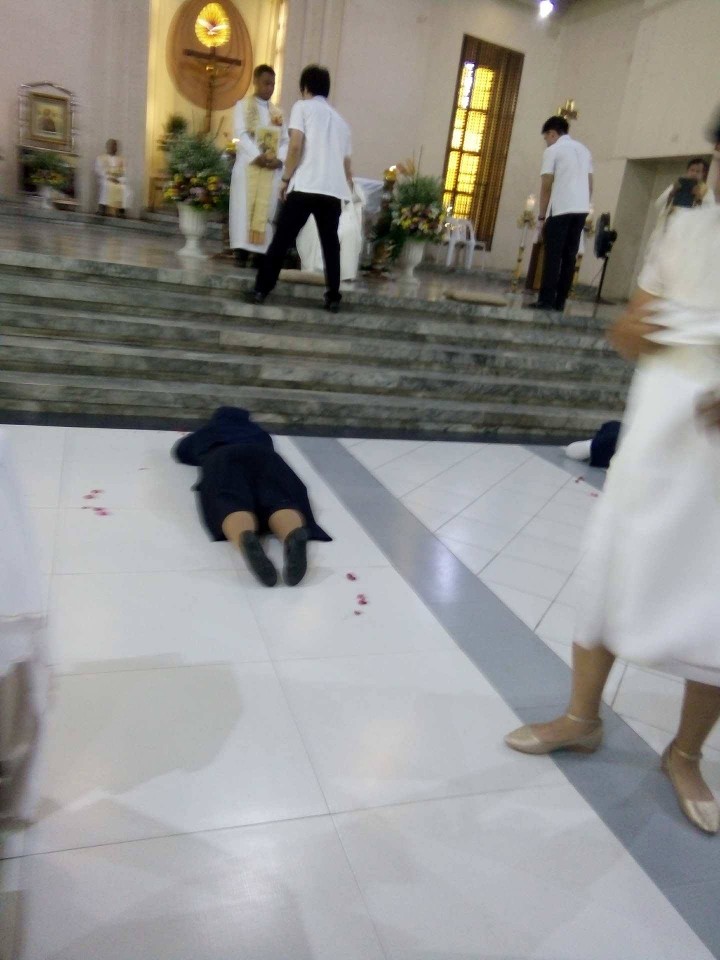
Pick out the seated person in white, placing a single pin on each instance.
(113, 192)
(350, 234)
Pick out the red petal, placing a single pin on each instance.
(351, 576)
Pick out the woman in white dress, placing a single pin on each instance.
(652, 562)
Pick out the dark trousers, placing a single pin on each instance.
(293, 217)
(562, 240)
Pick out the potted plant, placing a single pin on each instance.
(416, 216)
(199, 183)
(48, 172)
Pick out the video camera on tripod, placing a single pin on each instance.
(605, 238)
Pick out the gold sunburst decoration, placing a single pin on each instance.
(212, 27)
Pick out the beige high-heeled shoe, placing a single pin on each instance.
(525, 740)
(704, 814)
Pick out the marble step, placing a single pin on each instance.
(200, 287)
(66, 356)
(488, 332)
(299, 410)
(252, 338)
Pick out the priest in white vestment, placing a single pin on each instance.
(350, 234)
(261, 146)
(113, 192)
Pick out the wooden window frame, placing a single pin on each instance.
(507, 66)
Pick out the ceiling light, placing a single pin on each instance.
(546, 8)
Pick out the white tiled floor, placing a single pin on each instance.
(236, 772)
(520, 530)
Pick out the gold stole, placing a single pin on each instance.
(260, 181)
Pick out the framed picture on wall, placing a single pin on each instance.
(49, 119)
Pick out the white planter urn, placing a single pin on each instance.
(193, 225)
(410, 257)
(46, 197)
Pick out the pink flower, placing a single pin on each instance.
(89, 496)
(362, 599)
(351, 576)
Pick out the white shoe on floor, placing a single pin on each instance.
(580, 450)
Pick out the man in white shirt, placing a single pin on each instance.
(260, 147)
(565, 192)
(315, 181)
(697, 169)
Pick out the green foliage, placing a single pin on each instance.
(424, 191)
(175, 125)
(416, 212)
(198, 172)
(48, 168)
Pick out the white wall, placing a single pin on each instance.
(395, 83)
(97, 50)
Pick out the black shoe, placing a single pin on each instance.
(295, 566)
(332, 304)
(254, 297)
(260, 565)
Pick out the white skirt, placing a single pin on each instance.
(651, 565)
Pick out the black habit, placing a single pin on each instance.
(240, 470)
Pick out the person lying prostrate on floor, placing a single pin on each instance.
(246, 489)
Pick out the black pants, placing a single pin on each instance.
(562, 240)
(293, 217)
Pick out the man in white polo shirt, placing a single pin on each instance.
(565, 192)
(316, 179)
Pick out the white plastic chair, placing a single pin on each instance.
(461, 230)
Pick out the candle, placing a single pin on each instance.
(530, 204)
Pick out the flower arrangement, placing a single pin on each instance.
(413, 211)
(48, 169)
(197, 172)
(416, 210)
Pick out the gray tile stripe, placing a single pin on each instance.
(622, 783)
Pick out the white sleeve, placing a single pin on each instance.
(654, 275)
(284, 143)
(662, 200)
(297, 117)
(348, 141)
(245, 144)
(548, 162)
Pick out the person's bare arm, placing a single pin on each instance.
(628, 335)
(295, 148)
(348, 171)
(591, 184)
